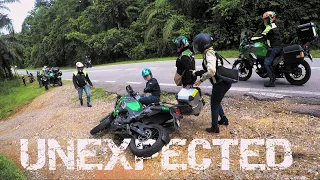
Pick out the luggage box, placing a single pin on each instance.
(307, 32)
(293, 54)
(190, 101)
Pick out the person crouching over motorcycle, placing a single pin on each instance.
(80, 80)
(273, 37)
(152, 87)
(204, 43)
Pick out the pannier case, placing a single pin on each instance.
(190, 101)
(293, 54)
(307, 32)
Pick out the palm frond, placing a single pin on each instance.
(150, 32)
(159, 3)
(8, 1)
(2, 7)
(151, 15)
(6, 23)
(147, 9)
(168, 27)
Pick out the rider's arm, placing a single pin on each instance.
(151, 86)
(263, 34)
(211, 65)
(88, 80)
(74, 79)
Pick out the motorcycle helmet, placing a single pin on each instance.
(202, 42)
(181, 43)
(79, 66)
(146, 72)
(269, 16)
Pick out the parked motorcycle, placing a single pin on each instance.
(31, 78)
(55, 76)
(289, 64)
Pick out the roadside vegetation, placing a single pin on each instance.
(9, 171)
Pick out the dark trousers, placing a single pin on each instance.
(149, 99)
(218, 92)
(272, 52)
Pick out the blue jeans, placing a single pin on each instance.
(272, 52)
(218, 92)
(149, 99)
(86, 89)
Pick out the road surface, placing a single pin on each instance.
(114, 78)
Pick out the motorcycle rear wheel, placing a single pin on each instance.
(301, 74)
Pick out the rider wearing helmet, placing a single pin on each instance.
(80, 80)
(152, 87)
(185, 63)
(273, 37)
(204, 43)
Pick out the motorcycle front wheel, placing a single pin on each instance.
(245, 71)
(300, 74)
(104, 124)
(149, 145)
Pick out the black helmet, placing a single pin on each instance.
(202, 42)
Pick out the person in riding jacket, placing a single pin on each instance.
(185, 63)
(204, 43)
(152, 88)
(273, 37)
(80, 80)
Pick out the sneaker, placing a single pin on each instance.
(213, 129)
(270, 83)
(224, 121)
(89, 105)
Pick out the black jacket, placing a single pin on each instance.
(152, 86)
(185, 63)
(80, 79)
(272, 34)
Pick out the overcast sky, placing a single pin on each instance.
(18, 12)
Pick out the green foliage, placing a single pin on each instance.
(8, 170)
(14, 94)
(62, 32)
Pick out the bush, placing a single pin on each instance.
(8, 170)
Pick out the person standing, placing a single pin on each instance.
(204, 43)
(80, 82)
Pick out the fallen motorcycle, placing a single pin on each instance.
(289, 64)
(146, 124)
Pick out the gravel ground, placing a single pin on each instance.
(57, 115)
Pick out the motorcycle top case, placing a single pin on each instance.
(307, 32)
(293, 54)
(190, 97)
(55, 69)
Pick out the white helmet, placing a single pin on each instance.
(79, 65)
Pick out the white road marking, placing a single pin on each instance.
(165, 84)
(110, 81)
(68, 79)
(95, 80)
(134, 82)
(106, 70)
(130, 69)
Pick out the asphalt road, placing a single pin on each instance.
(114, 78)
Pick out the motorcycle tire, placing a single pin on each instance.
(154, 148)
(305, 79)
(104, 124)
(60, 83)
(247, 76)
(46, 86)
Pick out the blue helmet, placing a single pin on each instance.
(146, 72)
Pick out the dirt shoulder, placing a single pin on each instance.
(57, 115)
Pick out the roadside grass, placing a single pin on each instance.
(315, 53)
(8, 170)
(14, 94)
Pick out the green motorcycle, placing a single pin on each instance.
(289, 64)
(144, 124)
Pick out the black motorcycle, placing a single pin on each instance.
(55, 76)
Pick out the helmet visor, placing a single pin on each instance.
(195, 48)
